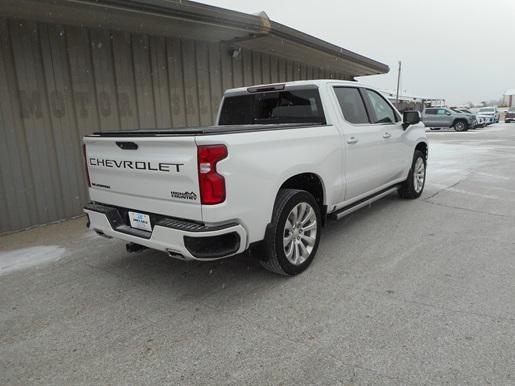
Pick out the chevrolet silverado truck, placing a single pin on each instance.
(281, 159)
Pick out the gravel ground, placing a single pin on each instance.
(402, 292)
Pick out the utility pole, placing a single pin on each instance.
(398, 82)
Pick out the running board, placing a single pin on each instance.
(339, 214)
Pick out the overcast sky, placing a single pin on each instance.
(454, 49)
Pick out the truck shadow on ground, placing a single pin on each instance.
(155, 269)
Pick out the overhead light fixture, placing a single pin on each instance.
(235, 52)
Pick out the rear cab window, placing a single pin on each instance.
(351, 104)
(273, 107)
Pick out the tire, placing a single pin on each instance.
(411, 189)
(460, 125)
(277, 260)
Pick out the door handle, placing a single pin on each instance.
(386, 135)
(352, 140)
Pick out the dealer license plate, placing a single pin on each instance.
(140, 221)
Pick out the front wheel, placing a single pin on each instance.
(292, 237)
(414, 185)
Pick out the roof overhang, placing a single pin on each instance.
(191, 20)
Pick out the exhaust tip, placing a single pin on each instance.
(175, 255)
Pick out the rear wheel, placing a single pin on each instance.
(414, 184)
(292, 238)
(460, 126)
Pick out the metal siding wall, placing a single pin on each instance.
(215, 78)
(203, 84)
(160, 82)
(59, 83)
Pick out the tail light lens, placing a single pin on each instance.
(86, 163)
(212, 184)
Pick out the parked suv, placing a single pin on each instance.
(438, 117)
(510, 115)
(490, 114)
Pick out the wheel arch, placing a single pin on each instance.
(422, 146)
(310, 182)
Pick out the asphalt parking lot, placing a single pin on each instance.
(402, 292)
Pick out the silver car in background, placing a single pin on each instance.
(443, 117)
(480, 121)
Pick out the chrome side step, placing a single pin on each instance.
(339, 214)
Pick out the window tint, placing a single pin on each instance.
(352, 105)
(430, 111)
(294, 106)
(383, 111)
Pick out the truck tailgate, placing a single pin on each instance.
(147, 174)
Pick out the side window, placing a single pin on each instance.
(383, 111)
(431, 112)
(352, 105)
(442, 111)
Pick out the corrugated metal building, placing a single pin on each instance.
(71, 67)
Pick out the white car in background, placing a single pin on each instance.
(489, 115)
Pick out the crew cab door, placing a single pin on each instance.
(362, 143)
(429, 117)
(395, 155)
(443, 118)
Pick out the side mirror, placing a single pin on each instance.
(410, 118)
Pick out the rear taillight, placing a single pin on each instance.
(212, 184)
(86, 164)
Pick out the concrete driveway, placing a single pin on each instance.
(403, 292)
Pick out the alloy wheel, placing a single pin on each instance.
(300, 233)
(419, 175)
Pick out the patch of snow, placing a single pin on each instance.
(28, 257)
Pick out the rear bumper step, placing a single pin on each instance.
(179, 238)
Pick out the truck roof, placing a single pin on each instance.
(292, 85)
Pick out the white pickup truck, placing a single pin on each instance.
(281, 159)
